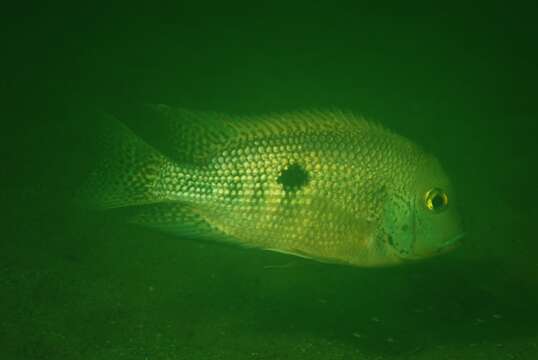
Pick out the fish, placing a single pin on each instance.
(326, 185)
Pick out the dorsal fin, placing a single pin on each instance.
(193, 136)
(182, 135)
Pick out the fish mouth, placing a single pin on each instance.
(445, 247)
(451, 243)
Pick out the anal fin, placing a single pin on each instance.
(178, 219)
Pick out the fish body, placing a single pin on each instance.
(323, 185)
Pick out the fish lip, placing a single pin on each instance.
(445, 247)
(450, 244)
(453, 241)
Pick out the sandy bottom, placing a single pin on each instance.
(77, 287)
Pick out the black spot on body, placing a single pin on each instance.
(293, 177)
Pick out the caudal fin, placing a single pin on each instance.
(127, 169)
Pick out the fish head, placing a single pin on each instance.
(421, 219)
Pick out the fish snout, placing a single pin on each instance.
(451, 244)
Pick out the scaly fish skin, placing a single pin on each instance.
(322, 185)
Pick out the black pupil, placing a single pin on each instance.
(438, 201)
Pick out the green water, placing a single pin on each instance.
(458, 79)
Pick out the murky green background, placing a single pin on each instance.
(459, 79)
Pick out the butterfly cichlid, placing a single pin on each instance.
(328, 186)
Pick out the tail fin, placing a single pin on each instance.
(127, 170)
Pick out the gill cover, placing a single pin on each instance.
(399, 224)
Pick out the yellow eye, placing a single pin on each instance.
(436, 200)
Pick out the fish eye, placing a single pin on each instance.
(436, 200)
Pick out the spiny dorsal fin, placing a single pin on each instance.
(310, 121)
(192, 137)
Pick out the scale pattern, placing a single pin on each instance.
(334, 214)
